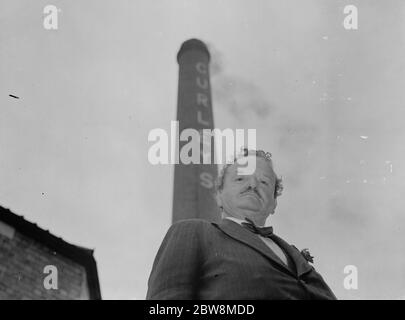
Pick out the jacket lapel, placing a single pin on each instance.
(301, 263)
(243, 235)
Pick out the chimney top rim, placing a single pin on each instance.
(193, 44)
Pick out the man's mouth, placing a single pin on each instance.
(251, 194)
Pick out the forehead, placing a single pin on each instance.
(263, 167)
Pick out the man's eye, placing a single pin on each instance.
(265, 182)
(239, 179)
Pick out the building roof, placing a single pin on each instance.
(81, 255)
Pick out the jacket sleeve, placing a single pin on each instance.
(175, 271)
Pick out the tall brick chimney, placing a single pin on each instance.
(193, 183)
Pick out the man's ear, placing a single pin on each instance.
(275, 206)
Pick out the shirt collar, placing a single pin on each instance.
(239, 221)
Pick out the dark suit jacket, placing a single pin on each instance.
(204, 260)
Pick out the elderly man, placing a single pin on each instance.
(237, 258)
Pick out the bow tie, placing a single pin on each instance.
(263, 231)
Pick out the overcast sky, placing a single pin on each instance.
(325, 101)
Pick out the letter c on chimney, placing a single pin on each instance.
(201, 67)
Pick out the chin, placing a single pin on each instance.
(257, 216)
(258, 220)
(252, 214)
(251, 209)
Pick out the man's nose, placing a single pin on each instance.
(253, 182)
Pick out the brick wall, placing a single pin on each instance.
(22, 262)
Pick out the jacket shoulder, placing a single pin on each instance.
(192, 223)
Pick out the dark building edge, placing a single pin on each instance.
(82, 256)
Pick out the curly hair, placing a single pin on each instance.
(219, 183)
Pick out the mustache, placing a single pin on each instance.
(250, 190)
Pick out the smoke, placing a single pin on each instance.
(240, 97)
(216, 62)
(291, 132)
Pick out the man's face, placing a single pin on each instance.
(249, 196)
